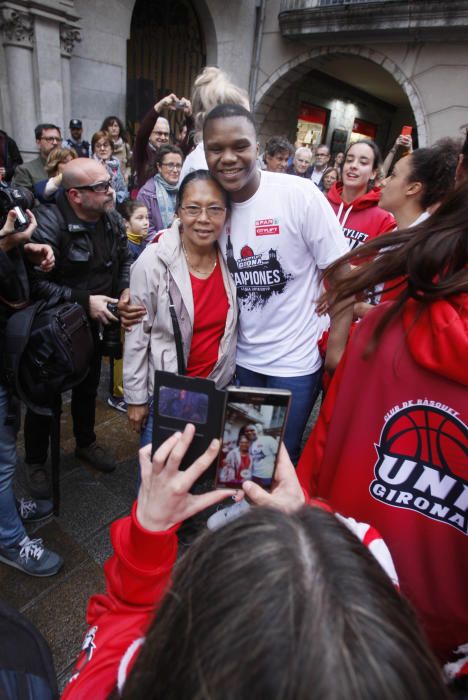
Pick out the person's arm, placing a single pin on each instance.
(144, 132)
(23, 178)
(143, 293)
(404, 142)
(341, 317)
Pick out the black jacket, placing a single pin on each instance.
(72, 243)
(14, 286)
(10, 156)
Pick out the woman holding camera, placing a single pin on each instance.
(183, 270)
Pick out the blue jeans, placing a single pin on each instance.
(304, 392)
(11, 527)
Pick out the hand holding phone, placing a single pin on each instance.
(286, 493)
(164, 498)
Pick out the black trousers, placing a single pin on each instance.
(83, 409)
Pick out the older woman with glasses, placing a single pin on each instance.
(184, 266)
(101, 145)
(159, 193)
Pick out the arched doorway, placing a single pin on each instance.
(165, 52)
(354, 88)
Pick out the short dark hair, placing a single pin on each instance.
(164, 150)
(283, 606)
(225, 111)
(373, 146)
(196, 176)
(43, 127)
(128, 208)
(278, 144)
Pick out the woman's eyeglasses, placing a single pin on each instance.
(213, 212)
(172, 166)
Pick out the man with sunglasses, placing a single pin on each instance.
(27, 175)
(92, 265)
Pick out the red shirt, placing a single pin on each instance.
(211, 306)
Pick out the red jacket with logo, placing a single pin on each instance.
(362, 219)
(390, 447)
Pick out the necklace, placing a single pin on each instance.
(201, 272)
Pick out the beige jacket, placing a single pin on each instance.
(150, 345)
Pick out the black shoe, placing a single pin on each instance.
(31, 510)
(38, 480)
(97, 457)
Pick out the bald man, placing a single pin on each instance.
(92, 265)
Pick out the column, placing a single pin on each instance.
(18, 41)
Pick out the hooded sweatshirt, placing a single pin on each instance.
(390, 447)
(362, 219)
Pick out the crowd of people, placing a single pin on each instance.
(346, 577)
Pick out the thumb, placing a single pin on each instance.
(255, 493)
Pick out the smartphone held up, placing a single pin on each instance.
(249, 421)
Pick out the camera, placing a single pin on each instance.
(17, 198)
(111, 336)
(180, 105)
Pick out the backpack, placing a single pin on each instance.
(47, 351)
(26, 666)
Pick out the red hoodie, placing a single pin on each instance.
(362, 219)
(391, 447)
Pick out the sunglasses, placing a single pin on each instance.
(103, 186)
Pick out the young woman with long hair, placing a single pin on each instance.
(284, 602)
(355, 199)
(391, 443)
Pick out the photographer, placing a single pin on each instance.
(16, 548)
(284, 602)
(92, 268)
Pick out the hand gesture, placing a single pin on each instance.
(137, 415)
(164, 498)
(168, 102)
(286, 495)
(41, 255)
(130, 314)
(98, 308)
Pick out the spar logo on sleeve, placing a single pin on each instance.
(267, 227)
(422, 462)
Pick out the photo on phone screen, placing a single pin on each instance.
(191, 406)
(253, 430)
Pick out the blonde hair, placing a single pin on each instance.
(55, 157)
(212, 87)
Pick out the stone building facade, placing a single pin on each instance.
(380, 62)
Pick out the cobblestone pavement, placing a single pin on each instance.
(90, 502)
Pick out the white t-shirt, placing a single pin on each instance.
(275, 245)
(263, 452)
(195, 161)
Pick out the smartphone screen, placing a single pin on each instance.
(253, 430)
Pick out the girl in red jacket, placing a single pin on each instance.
(391, 443)
(355, 200)
(274, 605)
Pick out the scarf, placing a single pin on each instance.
(166, 196)
(136, 238)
